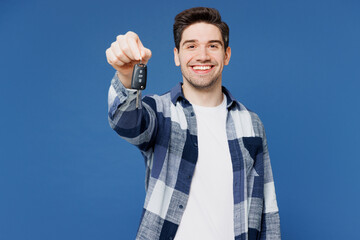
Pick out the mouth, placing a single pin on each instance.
(202, 69)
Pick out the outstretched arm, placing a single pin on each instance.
(137, 125)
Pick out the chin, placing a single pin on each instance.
(201, 85)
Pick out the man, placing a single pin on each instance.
(208, 173)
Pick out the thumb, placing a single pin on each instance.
(145, 54)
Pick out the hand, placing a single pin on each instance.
(124, 53)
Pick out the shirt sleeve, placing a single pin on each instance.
(137, 125)
(270, 223)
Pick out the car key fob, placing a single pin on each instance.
(138, 80)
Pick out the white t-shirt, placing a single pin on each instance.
(210, 208)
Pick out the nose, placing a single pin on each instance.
(203, 54)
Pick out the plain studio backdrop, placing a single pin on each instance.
(65, 174)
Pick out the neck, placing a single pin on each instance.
(207, 97)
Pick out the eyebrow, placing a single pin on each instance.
(216, 41)
(211, 41)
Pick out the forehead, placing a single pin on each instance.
(202, 32)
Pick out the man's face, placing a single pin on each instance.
(201, 55)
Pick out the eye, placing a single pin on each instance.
(214, 46)
(191, 46)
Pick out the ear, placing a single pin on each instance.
(176, 57)
(227, 56)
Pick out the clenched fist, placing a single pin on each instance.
(124, 53)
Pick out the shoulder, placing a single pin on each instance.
(165, 101)
(256, 122)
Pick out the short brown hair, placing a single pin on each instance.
(199, 14)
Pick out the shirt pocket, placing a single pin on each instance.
(253, 156)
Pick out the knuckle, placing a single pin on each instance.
(119, 37)
(117, 58)
(114, 60)
(131, 34)
(125, 48)
(107, 53)
(113, 45)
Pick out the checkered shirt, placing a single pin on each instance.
(164, 129)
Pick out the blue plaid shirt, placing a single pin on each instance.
(164, 129)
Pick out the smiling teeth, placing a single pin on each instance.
(201, 67)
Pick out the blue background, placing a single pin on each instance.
(64, 174)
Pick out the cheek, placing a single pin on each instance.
(186, 58)
(221, 59)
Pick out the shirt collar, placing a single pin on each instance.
(177, 94)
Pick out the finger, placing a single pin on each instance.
(112, 59)
(115, 48)
(134, 48)
(124, 46)
(147, 55)
(145, 52)
(116, 60)
(142, 49)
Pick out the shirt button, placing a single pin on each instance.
(192, 114)
(181, 206)
(171, 238)
(195, 144)
(189, 177)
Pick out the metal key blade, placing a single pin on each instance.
(137, 98)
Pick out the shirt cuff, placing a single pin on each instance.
(119, 95)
